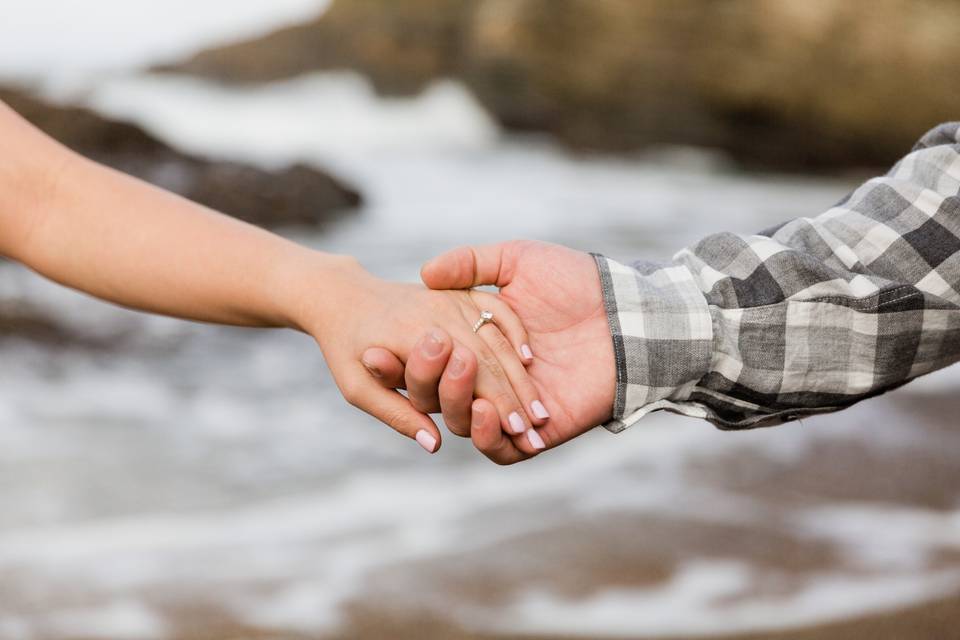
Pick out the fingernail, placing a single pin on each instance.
(427, 441)
(432, 345)
(374, 371)
(535, 440)
(526, 352)
(516, 423)
(539, 410)
(476, 413)
(457, 366)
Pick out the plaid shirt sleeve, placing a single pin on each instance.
(809, 317)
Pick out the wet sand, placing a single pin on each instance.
(579, 556)
(935, 620)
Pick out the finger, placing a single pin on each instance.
(391, 408)
(470, 266)
(384, 366)
(515, 377)
(456, 390)
(489, 438)
(494, 384)
(424, 368)
(507, 321)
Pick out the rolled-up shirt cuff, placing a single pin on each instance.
(662, 338)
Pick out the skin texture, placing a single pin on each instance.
(556, 293)
(393, 316)
(112, 236)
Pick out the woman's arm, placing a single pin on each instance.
(108, 234)
(120, 239)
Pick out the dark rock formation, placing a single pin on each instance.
(400, 45)
(295, 195)
(21, 321)
(16, 322)
(782, 83)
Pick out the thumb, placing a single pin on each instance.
(471, 266)
(386, 367)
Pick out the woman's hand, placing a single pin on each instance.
(364, 311)
(557, 293)
(117, 238)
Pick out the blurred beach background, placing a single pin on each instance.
(167, 480)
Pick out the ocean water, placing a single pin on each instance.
(44, 38)
(197, 477)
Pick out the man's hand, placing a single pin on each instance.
(556, 293)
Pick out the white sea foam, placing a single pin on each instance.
(707, 598)
(119, 619)
(887, 537)
(305, 607)
(335, 113)
(55, 37)
(436, 162)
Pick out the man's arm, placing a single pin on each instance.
(805, 318)
(743, 331)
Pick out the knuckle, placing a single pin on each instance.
(499, 343)
(422, 379)
(457, 428)
(455, 407)
(462, 263)
(492, 366)
(447, 396)
(438, 305)
(424, 405)
(496, 458)
(397, 420)
(466, 259)
(413, 377)
(420, 391)
(454, 390)
(505, 400)
(481, 298)
(352, 393)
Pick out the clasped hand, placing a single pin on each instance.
(539, 375)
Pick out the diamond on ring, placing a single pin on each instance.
(485, 317)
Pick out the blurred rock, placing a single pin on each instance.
(19, 321)
(400, 45)
(937, 619)
(294, 195)
(795, 85)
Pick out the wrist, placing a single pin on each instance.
(316, 287)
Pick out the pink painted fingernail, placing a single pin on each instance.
(535, 440)
(526, 351)
(427, 441)
(516, 423)
(432, 345)
(539, 410)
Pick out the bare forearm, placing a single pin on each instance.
(117, 238)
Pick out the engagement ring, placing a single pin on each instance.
(485, 317)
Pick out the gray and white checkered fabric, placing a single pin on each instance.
(809, 317)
